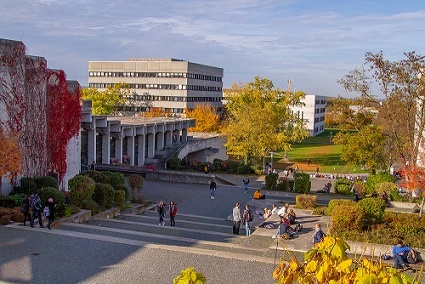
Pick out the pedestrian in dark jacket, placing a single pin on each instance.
(173, 212)
(25, 209)
(36, 208)
(52, 208)
(160, 208)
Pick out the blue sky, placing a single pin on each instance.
(314, 43)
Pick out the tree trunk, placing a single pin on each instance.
(422, 207)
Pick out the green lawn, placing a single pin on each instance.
(321, 153)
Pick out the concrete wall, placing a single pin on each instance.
(204, 150)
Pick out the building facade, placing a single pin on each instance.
(313, 113)
(172, 85)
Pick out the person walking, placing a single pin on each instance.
(213, 187)
(247, 217)
(36, 207)
(236, 219)
(160, 208)
(245, 184)
(173, 212)
(25, 209)
(51, 215)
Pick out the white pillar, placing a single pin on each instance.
(91, 146)
(151, 145)
(130, 149)
(106, 148)
(141, 149)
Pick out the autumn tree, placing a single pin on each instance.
(108, 101)
(207, 120)
(10, 153)
(259, 119)
(399, 104)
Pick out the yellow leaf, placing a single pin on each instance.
(369, 279)
(320, 275)
(311, 266)
(345, 265)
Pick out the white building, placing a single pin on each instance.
(169, 84)
(313, 113)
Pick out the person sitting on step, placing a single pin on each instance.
(258, 195)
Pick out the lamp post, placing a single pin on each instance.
(271, 161)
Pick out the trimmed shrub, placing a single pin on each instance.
(10, 214)
(283, 185)
(11, 201)
(174, 163)
(334, 202)
(374, 180)
(232, 166)
(92, 206)
(341, 184)
(271, 181)
(81, 189)
(116, 179)
(385, 186)
(120, 198)
(97, 176)
(320, 210)
(244, 169)
(302, 183)
(58, 198)
(346, 217)
(359, 187)
(46, 181)
(395, 195)
(305, 201)
(28, 186)
(373, 209)
(104, 194)
(70, 209)
(136, 183)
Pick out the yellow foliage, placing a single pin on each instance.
(10, 153)
(206, 117)
(327, 263)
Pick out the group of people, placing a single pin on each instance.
(32, 208)
(162, 209)
(244, 218)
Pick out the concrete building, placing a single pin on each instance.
(313, 113)
(128, 140)
(172, 85)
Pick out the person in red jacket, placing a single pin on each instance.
(173, 211)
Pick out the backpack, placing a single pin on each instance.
(250, 216)
(36, 203)
(46, 211)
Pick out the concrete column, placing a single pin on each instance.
(130, 149)
(184, 135)
(91, 146)
(168, 138)
(160, 140)
(141, 149)
(106, 147)
(118, 149)
(151, 145)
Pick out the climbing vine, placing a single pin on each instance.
(63, 118)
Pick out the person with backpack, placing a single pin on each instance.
(160, 208)
(213, 187)
(173, 212)
(245, 184)
(36, 208)
(318, 234)
(236, 218)
(50, 212)
(247, 218)
(25, 209)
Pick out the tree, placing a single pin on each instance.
(259, 119)
(414, 180)
(108, 101)
(10, 153)
(206, 117)
(401, 114)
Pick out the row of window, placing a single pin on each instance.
(164, 110)
(319, 110)
(156, 75)
(319, 119)
(320, 102)
(160, 87)
(139, 98)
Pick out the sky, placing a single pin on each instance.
(313, 43)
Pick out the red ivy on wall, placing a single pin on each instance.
(63, 118)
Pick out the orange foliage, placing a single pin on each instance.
(158, 112)
(10, 153)
(414, 178)
(206, 117)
